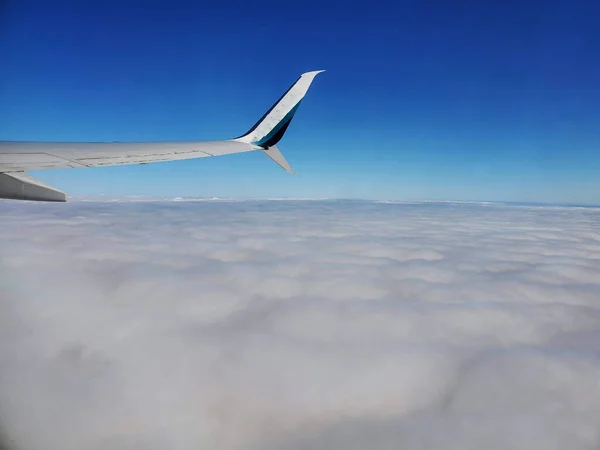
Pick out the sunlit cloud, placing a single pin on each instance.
(304, 324)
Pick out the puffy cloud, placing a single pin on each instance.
(291, 325)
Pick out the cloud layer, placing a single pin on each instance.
(293, 325)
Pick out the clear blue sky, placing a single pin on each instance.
(437, 99)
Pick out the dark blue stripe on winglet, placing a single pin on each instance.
(270, 109)
(276, 133)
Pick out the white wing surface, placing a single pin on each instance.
(18, 157)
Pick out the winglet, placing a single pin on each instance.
(271, 127)
(275, 155)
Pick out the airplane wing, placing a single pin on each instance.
(18, 157)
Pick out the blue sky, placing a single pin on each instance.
(462, 100)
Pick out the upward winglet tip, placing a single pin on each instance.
(314, 73)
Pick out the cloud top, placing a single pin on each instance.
(299, 324)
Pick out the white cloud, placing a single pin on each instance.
(304, 324)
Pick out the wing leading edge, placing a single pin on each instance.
(18, 157)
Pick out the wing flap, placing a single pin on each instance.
(139, 159)
(22, 186)
(17, 162)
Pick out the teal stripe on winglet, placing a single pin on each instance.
(277, 127)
